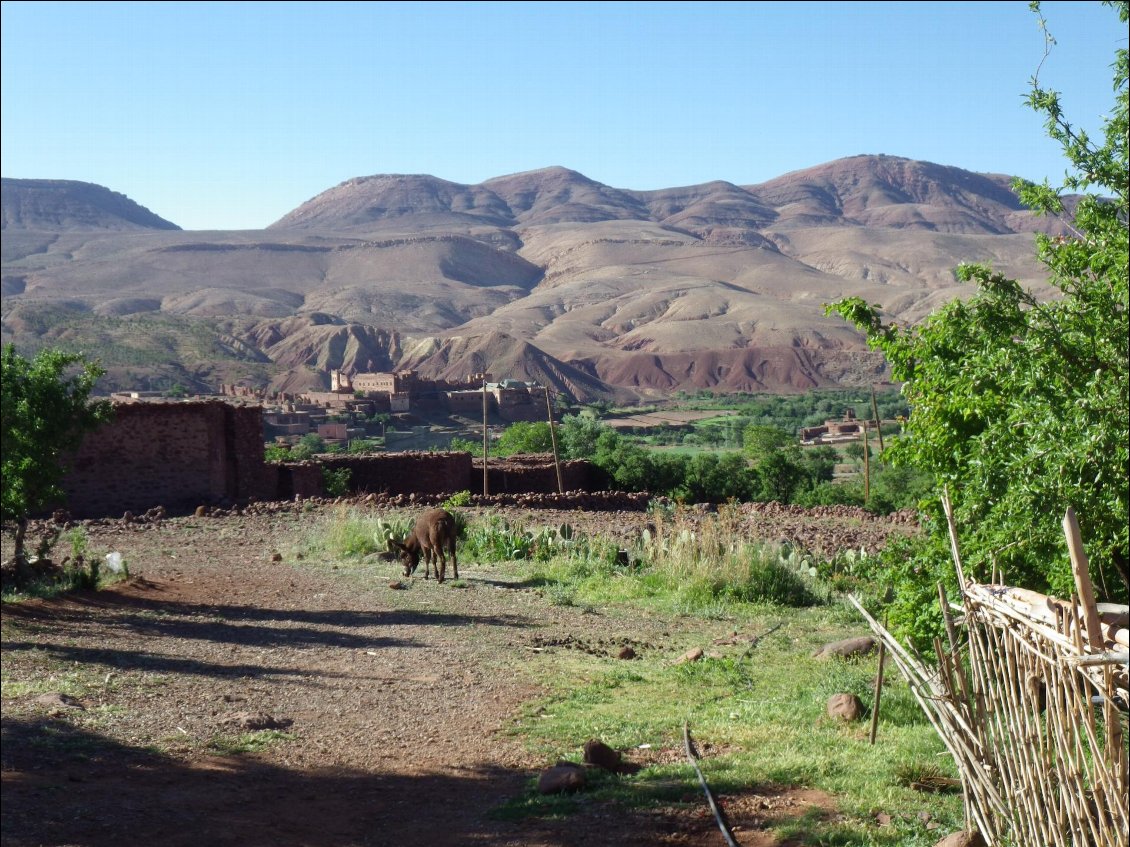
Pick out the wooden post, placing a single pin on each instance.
(553, 438)
(1081, 568)
(878, 423)
(878, 689)
(866, 466)
(486, 490)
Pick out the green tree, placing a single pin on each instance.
(762, 440)
(1020, 404)
(717, 478)
(525, 437)
(308, 445)
(475, 448)
(336, 482)
(277, 453)
(781, 475)
(819, 464)
(578, 436)
(46, 412)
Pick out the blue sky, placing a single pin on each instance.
(229, 115)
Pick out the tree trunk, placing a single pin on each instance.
(19, 555)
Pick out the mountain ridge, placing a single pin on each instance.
(543, 274)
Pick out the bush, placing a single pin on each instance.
(336, 482)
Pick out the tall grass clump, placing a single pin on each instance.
(705, 560)
(684, 563)
(80, 569)
(350, 533)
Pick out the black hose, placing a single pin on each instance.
(719, 815)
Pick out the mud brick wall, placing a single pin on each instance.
(176, 455)
(533, 475)
(210, 453)
(297, 479)
(252, 479)
(405, 473)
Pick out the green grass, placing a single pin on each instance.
(684, 569)
(68, 565)
(350, 533)
(765, 712)
(73, 681)
(62, 581)
(248, 742)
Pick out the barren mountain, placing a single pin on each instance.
(57, 205)
(545, 275)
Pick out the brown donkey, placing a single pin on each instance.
(433, 538)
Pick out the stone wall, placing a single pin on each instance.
(297, 479)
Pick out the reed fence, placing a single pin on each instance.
(1029, 695)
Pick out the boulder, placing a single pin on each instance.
(56, 703)
(962, 839)
(847, 649)
(846, 707)
(600, 755)
(255, 721)
(562, 778)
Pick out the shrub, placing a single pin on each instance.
(336, 482)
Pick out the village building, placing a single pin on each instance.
(848, 428)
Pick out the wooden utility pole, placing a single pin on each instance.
(486, 488)
(866, 465)
(553, 439)
(878, 423)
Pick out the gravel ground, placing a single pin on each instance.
(389, 705)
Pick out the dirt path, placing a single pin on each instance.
(393, 703)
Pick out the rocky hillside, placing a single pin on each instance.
(545, 275)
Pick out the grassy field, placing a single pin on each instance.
(763, 704)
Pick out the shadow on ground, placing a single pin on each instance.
(64, 785)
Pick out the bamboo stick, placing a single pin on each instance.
(486, 446)
(956, 553)
(866, 466)
(878, 422)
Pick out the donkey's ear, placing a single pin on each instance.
(393, 544)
